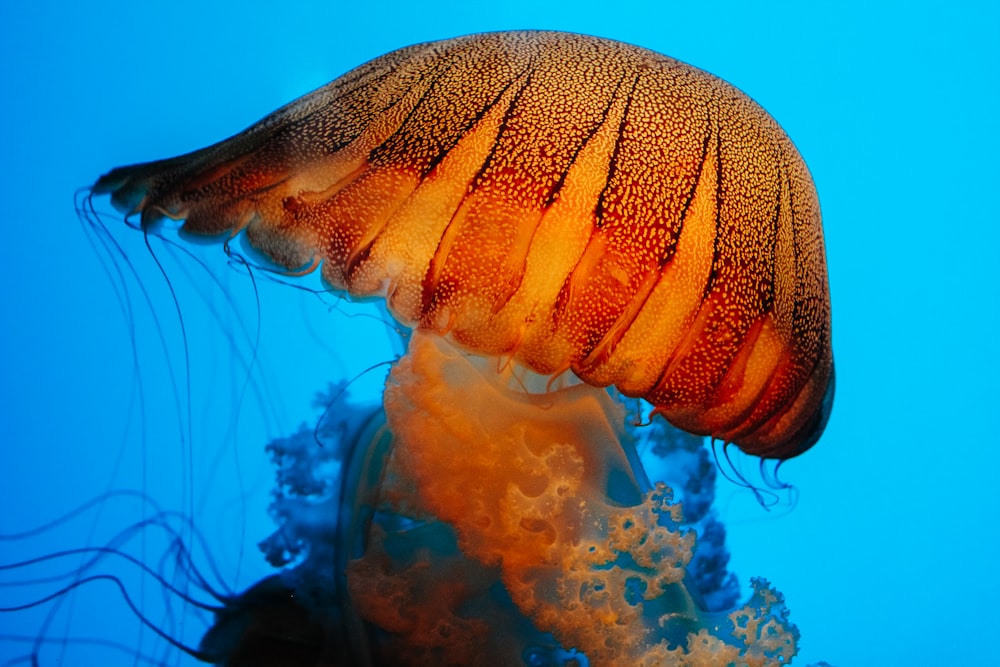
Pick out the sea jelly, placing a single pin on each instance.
(552, 215)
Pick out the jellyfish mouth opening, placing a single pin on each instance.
(475, 522)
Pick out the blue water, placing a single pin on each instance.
(887, 558)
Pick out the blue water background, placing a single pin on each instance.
(889, 556)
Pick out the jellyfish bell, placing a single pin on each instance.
(566, 201)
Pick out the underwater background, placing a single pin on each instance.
(886, 551)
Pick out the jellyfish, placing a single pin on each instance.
(562, 223)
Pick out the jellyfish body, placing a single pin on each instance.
(569, 202)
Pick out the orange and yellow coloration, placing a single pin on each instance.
(571, 202)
